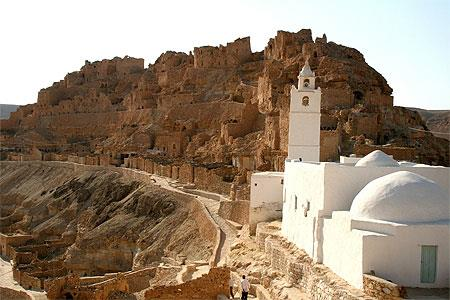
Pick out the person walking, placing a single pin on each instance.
(245, 288)
(231, 288)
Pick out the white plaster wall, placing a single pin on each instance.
(305, 129)
(266, 187)
(349, 160)
(307, 183)
(342, 183)
(397, 257)
(343, 248)
(297, 96)
(307, 154)
(266, 197)
(304, 125)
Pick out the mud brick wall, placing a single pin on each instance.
(209, 286)
(382, 289)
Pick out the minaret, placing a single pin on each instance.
(304, 118)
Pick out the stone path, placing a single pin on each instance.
(229, 231)
(212, 205)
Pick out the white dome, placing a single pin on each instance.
(402, 197)
(377, 158)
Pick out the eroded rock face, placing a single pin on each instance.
(109, 223)
(218, 103)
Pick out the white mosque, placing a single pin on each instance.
(361, 215)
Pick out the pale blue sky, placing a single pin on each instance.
(407, 41)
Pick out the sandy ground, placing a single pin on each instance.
(6, 280)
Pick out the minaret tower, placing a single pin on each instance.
(304, 118)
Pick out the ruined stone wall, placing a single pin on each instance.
(209, 286)
(236, 211)
(382, 289)
(173, 144)
(213, 179)
(7, 241)
(329, 145)
(30, 282)
(186, 173)
(315, 279)
(286, 44)
(399, 153)
(232, 54)
(23, 257)
(7, 293)
(364, 124)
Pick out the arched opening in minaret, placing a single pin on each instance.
(358, 97)
(306, 82)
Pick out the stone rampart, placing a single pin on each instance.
(209, 286)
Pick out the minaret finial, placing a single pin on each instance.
(306, 70)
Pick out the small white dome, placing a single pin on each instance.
(306, 70)
(402, 197)
(377, 158)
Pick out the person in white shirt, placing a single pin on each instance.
(245, 288)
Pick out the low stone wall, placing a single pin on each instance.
(99, 287)
(208, 229)
(380, 288)
(139, 280)
(30, 282)
(10, 294)
(315, 279)
(209, 286)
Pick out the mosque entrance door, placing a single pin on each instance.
(428, 264)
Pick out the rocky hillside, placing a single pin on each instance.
(437, 121)
(114, 223)
(220, 104)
